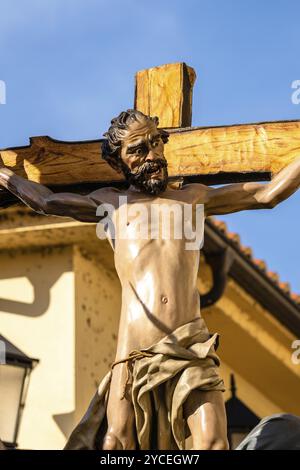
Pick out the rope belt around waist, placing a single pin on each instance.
(133, 356)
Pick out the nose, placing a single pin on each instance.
(151, 157)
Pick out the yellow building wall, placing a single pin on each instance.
(97, 309)
(37, 315)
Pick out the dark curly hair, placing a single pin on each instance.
(111, 145)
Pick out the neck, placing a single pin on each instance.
(171, 186)
(134, 189)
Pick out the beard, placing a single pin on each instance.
(141, 178)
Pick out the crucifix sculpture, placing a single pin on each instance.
(164, 383)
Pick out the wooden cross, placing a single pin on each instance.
(211, 155)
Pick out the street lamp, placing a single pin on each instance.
(240, 419)
(15, 370)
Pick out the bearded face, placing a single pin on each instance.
(142, 154)
(150, 177)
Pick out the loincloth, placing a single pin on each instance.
(162, 377)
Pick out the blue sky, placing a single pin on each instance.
(69, 67)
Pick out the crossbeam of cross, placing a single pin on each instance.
(210, 155)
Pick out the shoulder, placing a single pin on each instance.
(197, 192)
(108, 195)
(195, 187)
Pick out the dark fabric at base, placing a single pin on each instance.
(276, 432)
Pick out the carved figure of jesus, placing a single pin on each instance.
(164, 384)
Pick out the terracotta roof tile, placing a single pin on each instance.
(234, 237)
(259, 263)
(274, 276)
(247, 250)
(285, 286)
(295, 297)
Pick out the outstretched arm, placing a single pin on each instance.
(244, 196)
(44, 201)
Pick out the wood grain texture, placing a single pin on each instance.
(260, 147)
(166, 92)
(54, 162)
(241, 149)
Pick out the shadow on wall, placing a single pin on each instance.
(65, 422)
(41, 268)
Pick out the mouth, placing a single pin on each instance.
(154, 171)
(150, 176)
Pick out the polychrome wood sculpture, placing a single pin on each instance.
(164, 383)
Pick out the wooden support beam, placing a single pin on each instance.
(245, 149)
(166, 92)
(215, 154)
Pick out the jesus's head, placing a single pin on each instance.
(135, 147)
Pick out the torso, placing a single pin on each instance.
(157, 273)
